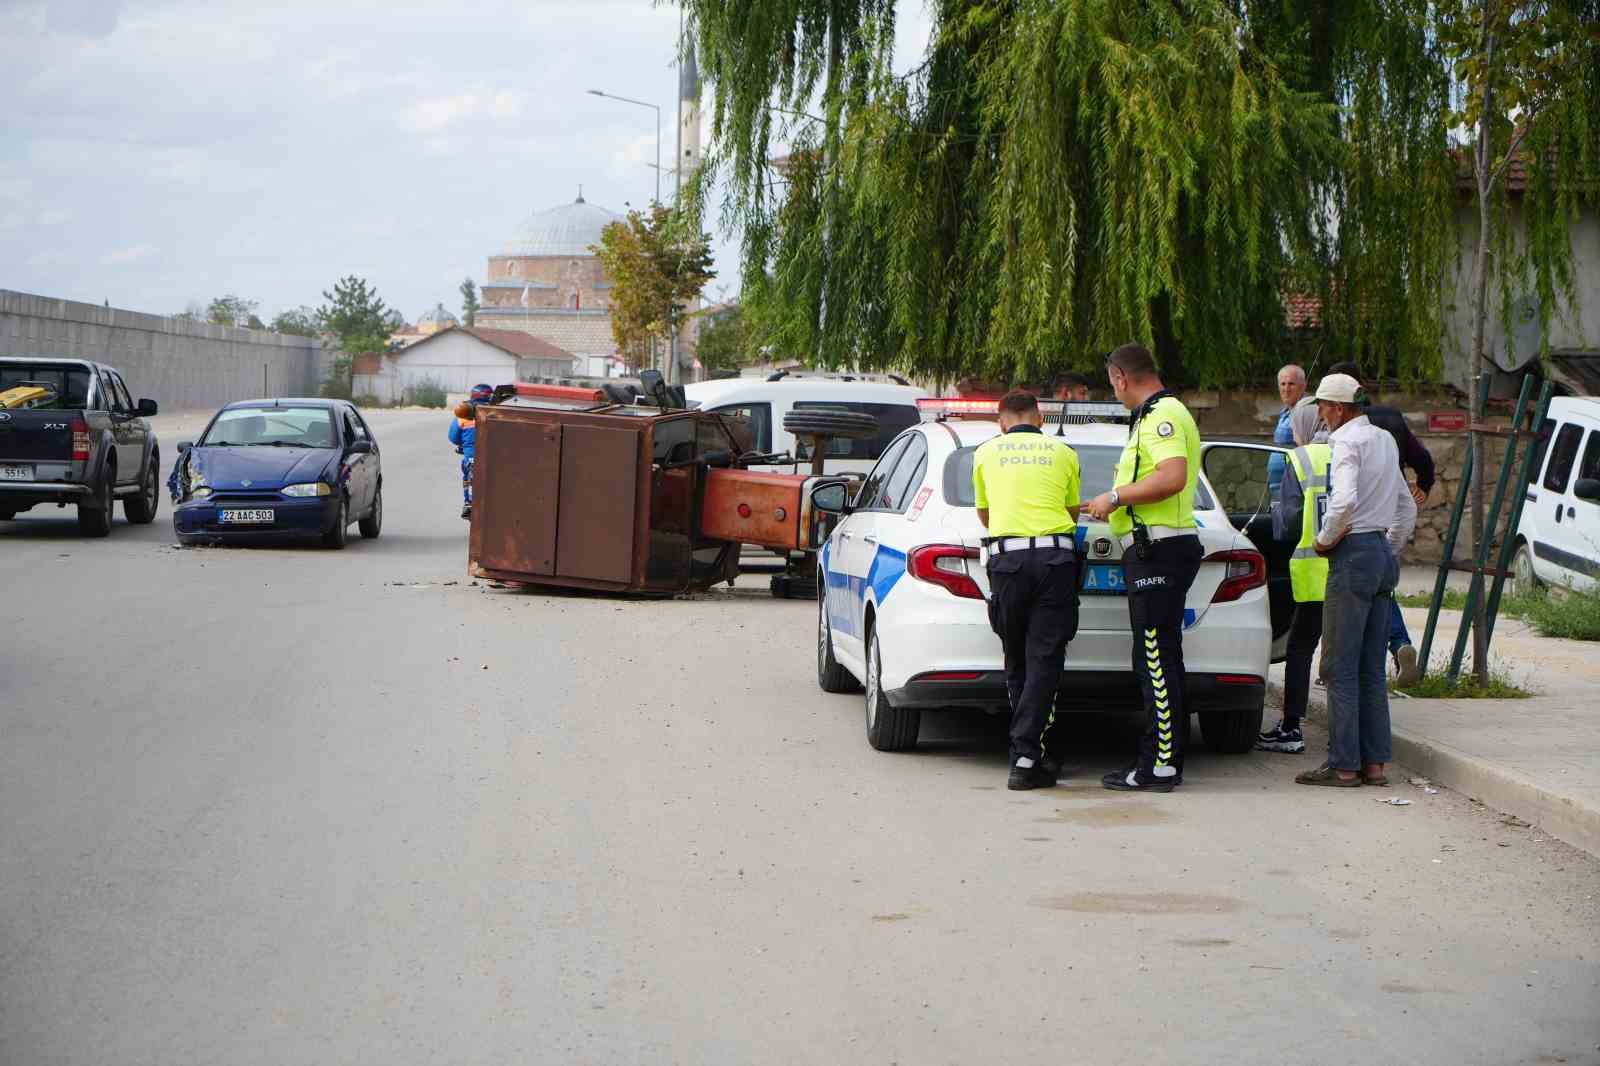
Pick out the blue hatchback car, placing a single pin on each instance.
(274, 470)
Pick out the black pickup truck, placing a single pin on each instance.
(69, 434)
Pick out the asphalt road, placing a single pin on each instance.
(304, 806)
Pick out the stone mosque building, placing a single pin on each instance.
(547, 283)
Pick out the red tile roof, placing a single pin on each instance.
(511, 341)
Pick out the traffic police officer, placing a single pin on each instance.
(1025, 485)
(1151, 512)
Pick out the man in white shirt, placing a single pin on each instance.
(1370, 516)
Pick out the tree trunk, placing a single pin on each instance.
(1480, 361)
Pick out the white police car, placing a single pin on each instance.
(902, 601)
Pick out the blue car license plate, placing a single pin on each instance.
(246, 518)
(1105, 579)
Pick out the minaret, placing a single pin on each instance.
(688, 110)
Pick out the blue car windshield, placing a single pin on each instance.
(293, 427)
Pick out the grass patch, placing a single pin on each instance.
(1438, 687)
(1572, 615)
(1454, 599)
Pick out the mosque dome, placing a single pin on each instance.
(566, 230)
(438, 318)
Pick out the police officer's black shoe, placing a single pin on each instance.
(1035, 776)
(1137, 779)
(466, 510)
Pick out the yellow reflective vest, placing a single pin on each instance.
(1308, 571)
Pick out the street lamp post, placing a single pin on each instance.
(657, 110)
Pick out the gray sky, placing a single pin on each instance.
(157, 152)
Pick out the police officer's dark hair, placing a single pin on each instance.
(1134, 360)
(1018, 402)
(1069, 379)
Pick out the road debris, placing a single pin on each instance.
(1395, 801)
(1514, 822)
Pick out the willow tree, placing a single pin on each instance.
(1061, 175)
(1057, 177)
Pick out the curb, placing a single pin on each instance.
(1494, 786)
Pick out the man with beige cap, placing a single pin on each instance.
(1370, 514)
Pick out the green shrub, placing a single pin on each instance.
(1437, 686)
(1572, 615)
(428, 392)
(367, 399)
(337, 385)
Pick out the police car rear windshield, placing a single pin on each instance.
(1097, 466)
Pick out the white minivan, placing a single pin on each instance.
(1558, 538)
(764, 401)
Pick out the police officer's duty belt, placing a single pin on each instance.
(1001, 545)
(1158, 533)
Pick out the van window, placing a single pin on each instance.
(1562, 455)
(892, 418)
(1590, 467)
(760, 416)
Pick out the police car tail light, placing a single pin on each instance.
(1246, 570)
(945, 565)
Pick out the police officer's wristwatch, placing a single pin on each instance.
(1116, 501)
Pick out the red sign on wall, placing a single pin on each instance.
(1447, 421)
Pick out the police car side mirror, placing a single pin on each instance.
(831, 499)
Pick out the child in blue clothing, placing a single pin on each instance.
(464, 435)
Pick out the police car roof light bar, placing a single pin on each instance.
(1056, 412)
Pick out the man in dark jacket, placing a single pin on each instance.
(1415, 456)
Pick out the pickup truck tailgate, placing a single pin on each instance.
(35, 436)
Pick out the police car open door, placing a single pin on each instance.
(1245, 478)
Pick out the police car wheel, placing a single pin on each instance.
(888, 728)
(1231, 732)
(831, 677)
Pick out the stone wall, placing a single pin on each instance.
(1251, 414)
(182, 365)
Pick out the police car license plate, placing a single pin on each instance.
(1105, 579)
(242, 518)
(16, 473)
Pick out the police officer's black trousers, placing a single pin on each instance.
(1157, 587)
(1033, 606)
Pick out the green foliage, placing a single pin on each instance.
(233, 310)
(658, 265)
(298, 321)
(725, 342)
(426, 392)
(1059, 176)
(367, 399)
(1437, 686)
(356, 315)
(469, 303)
(1571, 615)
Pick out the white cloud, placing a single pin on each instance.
(57, 217)
(123, 256)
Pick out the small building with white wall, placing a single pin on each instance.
(457, 359)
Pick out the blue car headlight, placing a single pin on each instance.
(314, 488)
(199, 492)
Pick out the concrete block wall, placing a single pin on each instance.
(182, 365)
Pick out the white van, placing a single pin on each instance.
(1558, 538)
(764, 401)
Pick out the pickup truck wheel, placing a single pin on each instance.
(94, 519)
(140, 510)
(831, 677)
(1231, 732)
(372, 525)
(335, 537)
(888, 728)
